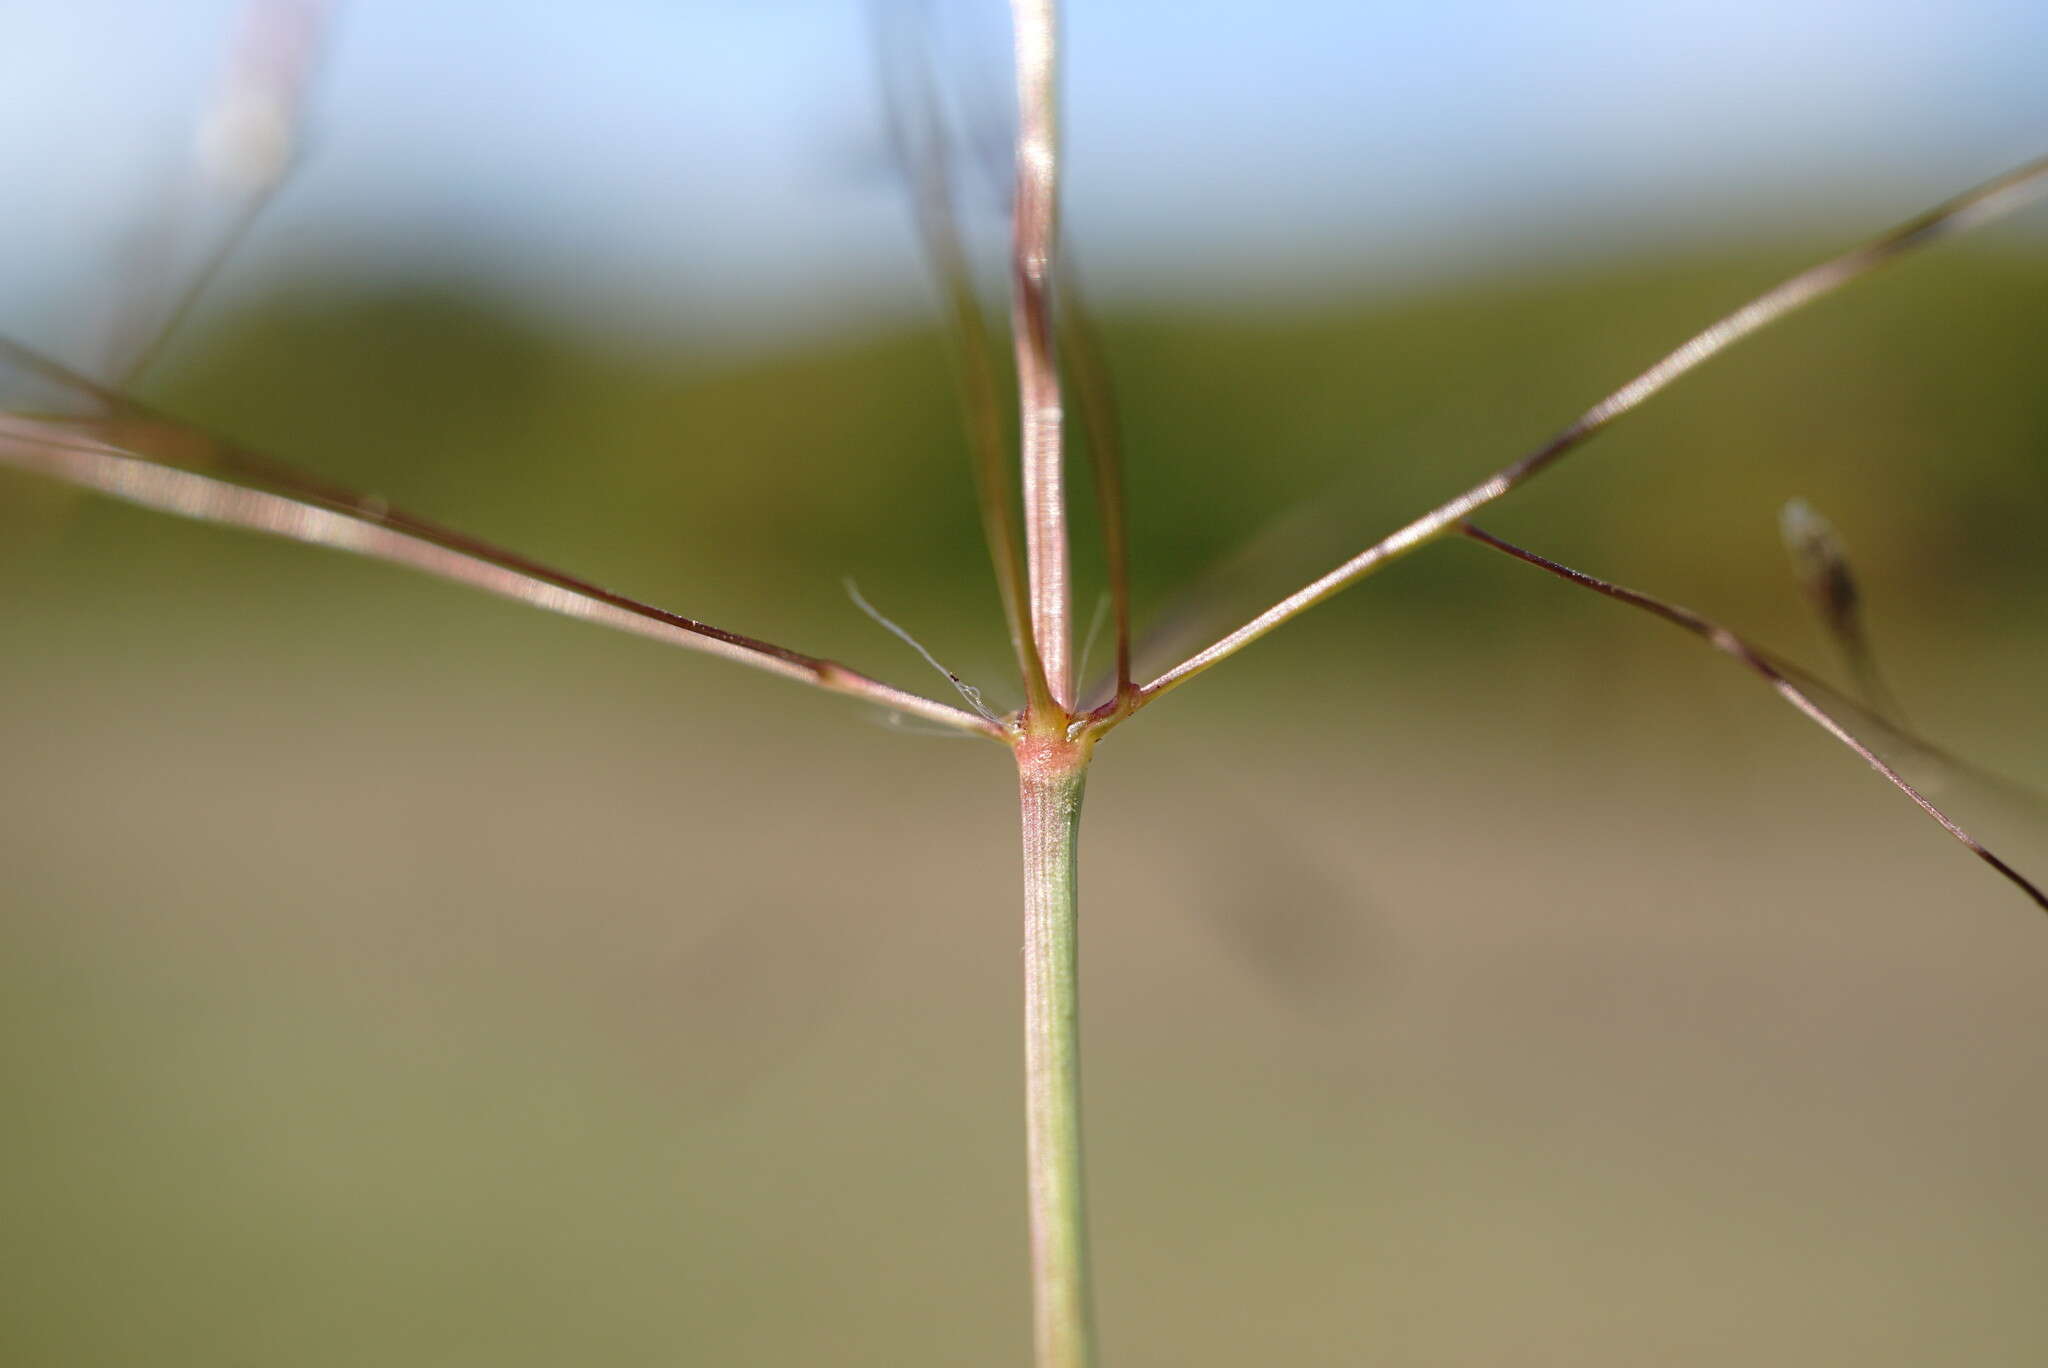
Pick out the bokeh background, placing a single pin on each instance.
(1477, 972)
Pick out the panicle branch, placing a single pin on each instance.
(1779, 677)
(1965, 211)
(1035, 225)
(134, 454)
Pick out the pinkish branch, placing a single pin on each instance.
(1033, 244)
(1957, 215)
(144, 459)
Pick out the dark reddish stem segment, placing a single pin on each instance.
(1729, 644)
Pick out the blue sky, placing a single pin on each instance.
(713, 169)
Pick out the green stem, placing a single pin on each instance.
(1051, 778)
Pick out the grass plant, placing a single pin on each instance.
(90, 434)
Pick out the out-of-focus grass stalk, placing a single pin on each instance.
(923, 148)
(1096, 398)
(247, 146)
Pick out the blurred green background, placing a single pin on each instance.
(1476, 972)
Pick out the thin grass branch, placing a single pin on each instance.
(1034, 241)
(1779, 677)
(247, 148)
(1957, 215)
(144, 459)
